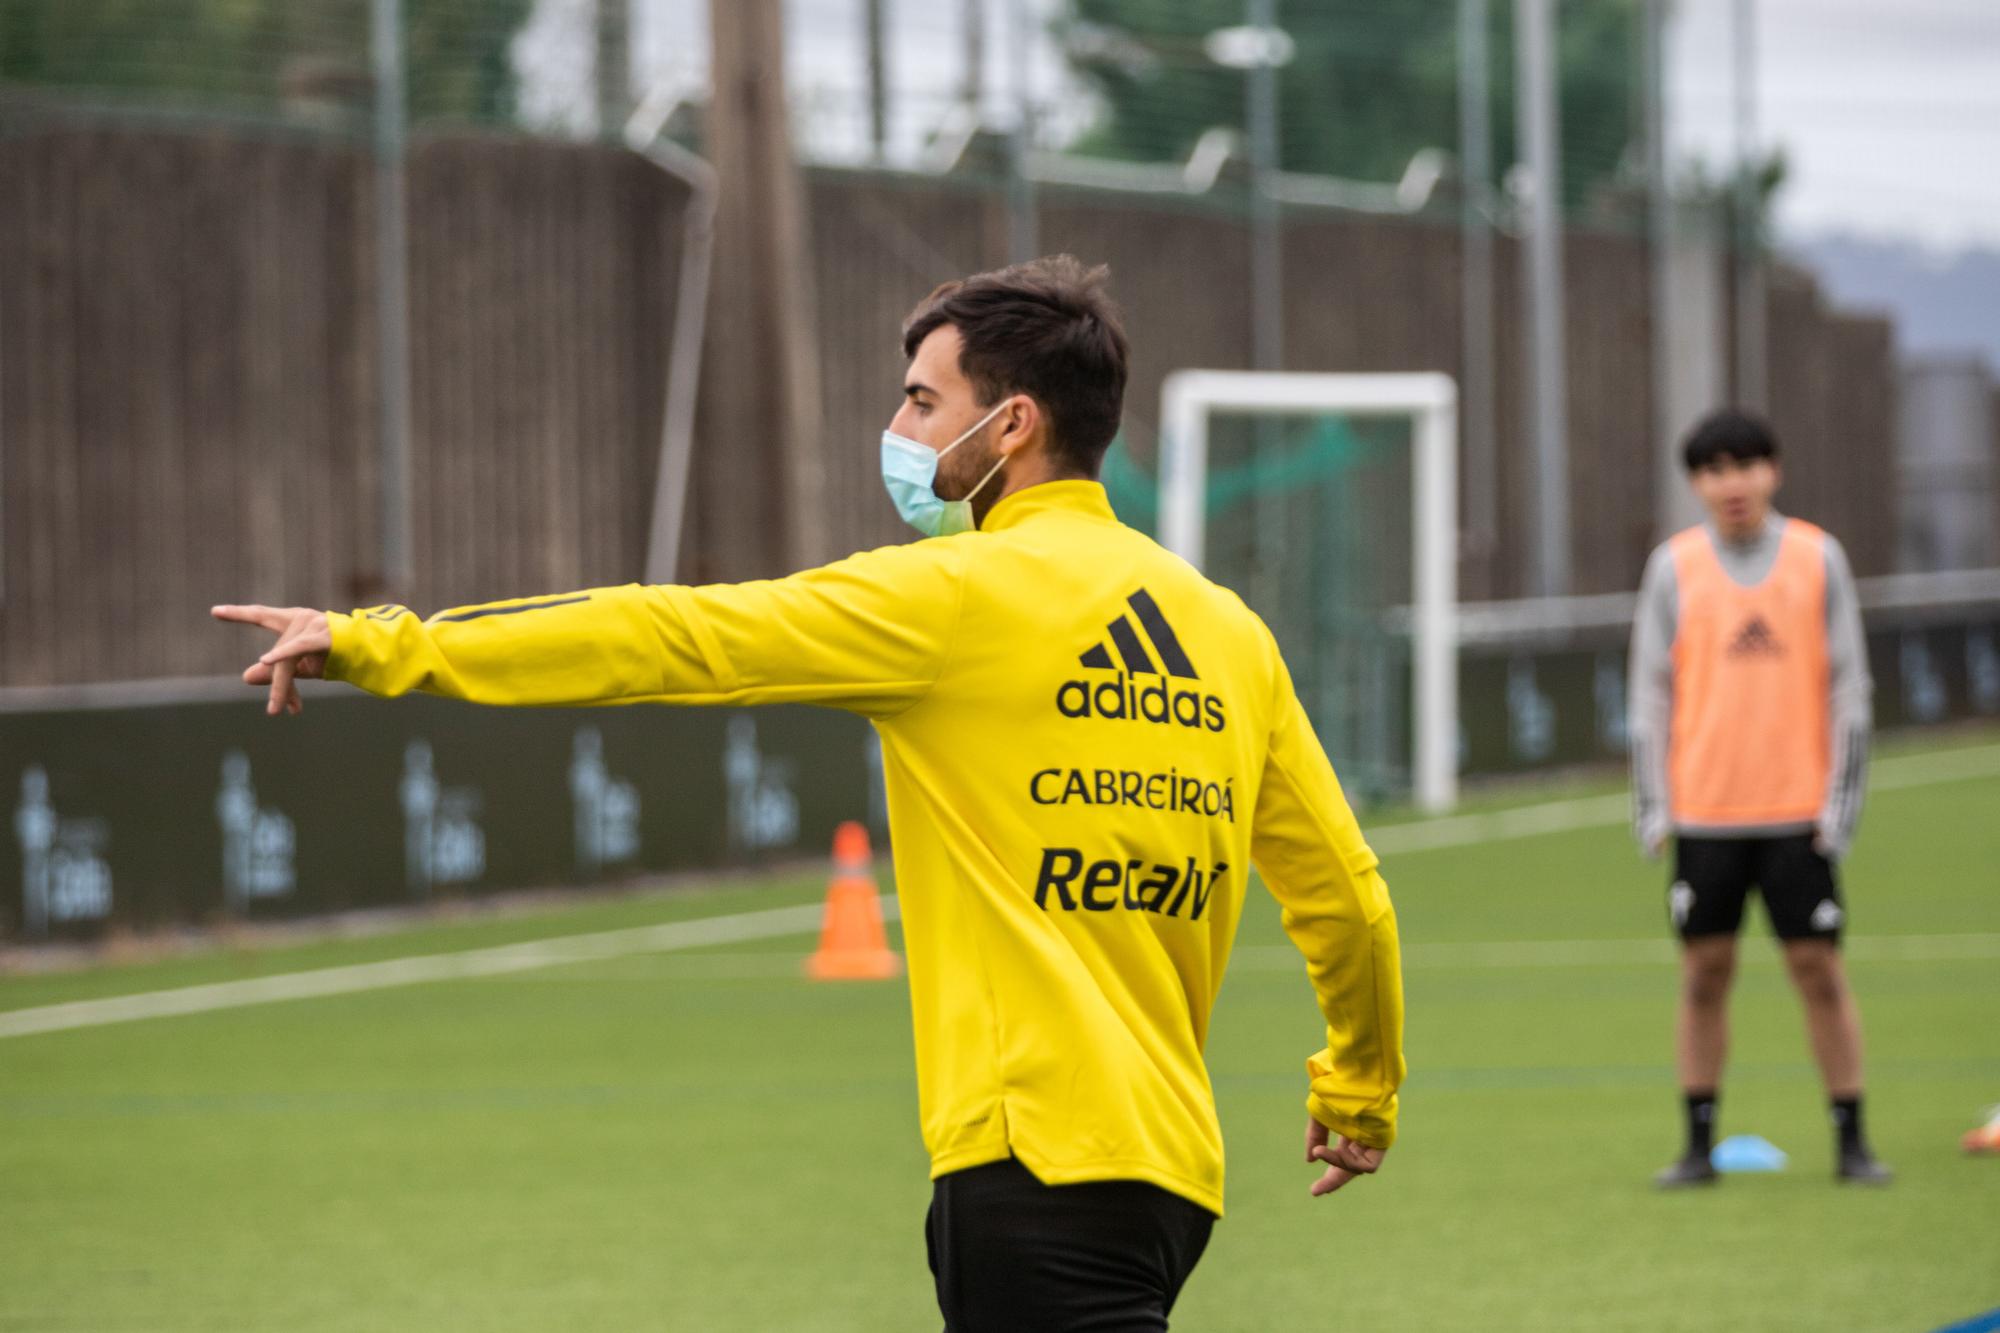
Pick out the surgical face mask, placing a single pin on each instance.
(909, 470)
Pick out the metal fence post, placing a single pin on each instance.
(1475, 173)
(1548, 384)
(392, 290)
(1022, 234)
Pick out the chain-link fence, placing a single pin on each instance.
(490, 356)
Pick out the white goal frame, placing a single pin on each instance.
(1430, 401)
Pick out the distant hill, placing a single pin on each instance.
(1941, 303)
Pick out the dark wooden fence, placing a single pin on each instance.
(1833, 406)
(186, 407)
(188, 389)
(189, 410)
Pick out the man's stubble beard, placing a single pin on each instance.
(961, 469)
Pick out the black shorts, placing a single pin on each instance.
(1713, 877)
(1012, 1255)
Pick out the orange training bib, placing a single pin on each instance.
(1751, 739)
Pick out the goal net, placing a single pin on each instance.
(1329, 503)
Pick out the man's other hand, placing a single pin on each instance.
(1344, 1158)
(300, 652)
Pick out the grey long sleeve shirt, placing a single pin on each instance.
(1651, 702)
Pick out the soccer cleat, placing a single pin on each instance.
(1858, 1166)
(1693, 1169)
(1986, 1138)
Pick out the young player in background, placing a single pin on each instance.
(1750, 715)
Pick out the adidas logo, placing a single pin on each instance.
(1145, 646)
(1755, 640)
(1827, 916)
(1132, 652)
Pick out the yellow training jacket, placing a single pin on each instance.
(1086, 746)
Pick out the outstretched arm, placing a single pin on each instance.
(869, 633)
(1336, 909)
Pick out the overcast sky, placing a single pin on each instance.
(1889, 110)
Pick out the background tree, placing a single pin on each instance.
(250, 55)
(1370, 84)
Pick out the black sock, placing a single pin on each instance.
(1701, 1122)
(1847, 1122)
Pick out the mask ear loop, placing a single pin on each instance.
(976, 427)
(998, 463)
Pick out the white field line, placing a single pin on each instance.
(1444, 957)
(1906, 771)
(353, 978)
(1428, 835)
(1627, 953)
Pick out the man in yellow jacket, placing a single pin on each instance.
(1086, 744)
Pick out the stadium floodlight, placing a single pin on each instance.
(1429, 402)
(1249, 46)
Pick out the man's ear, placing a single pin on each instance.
(1020, 424)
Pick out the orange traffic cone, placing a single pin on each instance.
(852, 946)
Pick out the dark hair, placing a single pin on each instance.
(1728, 433)
(1048, 329)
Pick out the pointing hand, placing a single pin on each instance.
(303, 643)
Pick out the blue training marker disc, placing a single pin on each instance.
(1747, 1152)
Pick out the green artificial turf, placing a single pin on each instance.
(700, 1140)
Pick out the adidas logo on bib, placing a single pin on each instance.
(1755, 639)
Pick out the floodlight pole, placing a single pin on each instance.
(3, 467)
(1267, 265)
(878, 77)
(1548, 414)
(1023, 239)
(1475, 171)
(1267, 286)
(613, 68)
(392, 278)
(973, 35)
(1666, 301)
(1751, 386)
